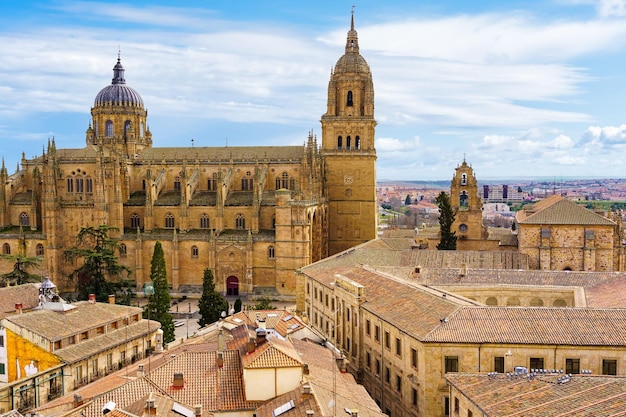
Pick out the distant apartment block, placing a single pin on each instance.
(502, 194)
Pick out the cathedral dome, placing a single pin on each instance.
(118, 93)
(352, 61)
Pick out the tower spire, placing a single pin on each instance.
(118, 70)
(352, 43)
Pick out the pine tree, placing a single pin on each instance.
(211, 303)
(237, 306)
(446, 219)
(158, 307)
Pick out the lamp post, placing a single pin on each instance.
(148, 290)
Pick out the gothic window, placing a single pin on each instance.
(24, 219)
(141, 129)
(109, 129)
(270, 252)
(240, 222)
(80, 184)
(357, 142)
(170, 221)
(95, 127)
(39, 249)
(89, 185)
(292, 184)
(194, 251)
(285, 180)
(135, 221)
(348, 142)
(70, 185)
(127, 127)
(177, 183)
(6, 249)
(213, 184)
(204, 221)
(463, 179)
(143, 185)
(339, 142)
(122, 250)
(349, 100)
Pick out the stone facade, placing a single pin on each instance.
(251, 214)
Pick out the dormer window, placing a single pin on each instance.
(349, 101)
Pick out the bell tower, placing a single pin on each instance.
(348, 130)
(466, 203)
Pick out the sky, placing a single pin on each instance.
(518, 89)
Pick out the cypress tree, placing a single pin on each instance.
(159, 302)
(446, 219)
(237, 306)
(211, 303)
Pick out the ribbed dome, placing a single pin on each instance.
(352, 63)
(118, 93)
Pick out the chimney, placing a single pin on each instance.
(261, 334)
(251, 345)
(140, 370)
(92, 298)
(111, 298)
(305, 369)
(179, 381)
(197, 410)
(220, 340)
(18, 308)
(150, 407)
(78, 401)
(310, 413)
(220, 360)
(306, 391)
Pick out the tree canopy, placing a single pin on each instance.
(158, 307)
(100, 264)
(446, 219)
(212, 303)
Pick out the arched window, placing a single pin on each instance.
(285, 180)
(204, 221)
(349, 100)
(170, 222)
(24, 219)
(270, 252)
(135, 221)
(194, 251)
(6, 249)
(108, 129)
(339, 142)
(141, 129)
(240, 222)
(246, 183)
(95, 127)
(89, 185)
(127, 127)
(122, 250)
(39, 249)
(70, 185)
(357, 142)
(463, 179)
(80, 184)
(463, 199)
(348, 142)
(177, 183)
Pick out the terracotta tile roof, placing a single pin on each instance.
(86, 348)
(281, 321)
(27, 294)
(217, 389)
(164, 406)
(533, 325)
(301, 404)
(53, 325)
(274, 353)
(582, 395)
(12, 413)
(329, 385)
(558, 210)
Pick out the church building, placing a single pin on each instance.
(251, 214)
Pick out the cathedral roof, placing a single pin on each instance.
(352, 61)
(118, 93)
(558, 210)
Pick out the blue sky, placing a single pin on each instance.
(520, 88)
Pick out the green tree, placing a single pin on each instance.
(446, 219)
(100, 264)
(21, 263)
(263, 303)
(211, 303)
(407, 200)
(158, 307)
(237, 306)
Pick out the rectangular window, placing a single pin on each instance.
(452, 364)
(413, 357)
(57, 345)
(414, 397)
(387, 340)
(572, 366)
(326, 300)
(367, 327)
(368, 359)
(84, 336)
(536, 363)
(347, 314)
(377, 333)
(109, 360)
(446, 406)
(377, 367)
(2, 370)
(94, 366)
(470, 414)
(398, 347)
(1, 340)
(398, 383)
(456, 405)
(498, 364)
(609, 367)
(387, 374)
(72, 340)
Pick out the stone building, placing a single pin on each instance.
(558, 234)
(251, 214)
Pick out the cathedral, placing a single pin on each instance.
(253, 215)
